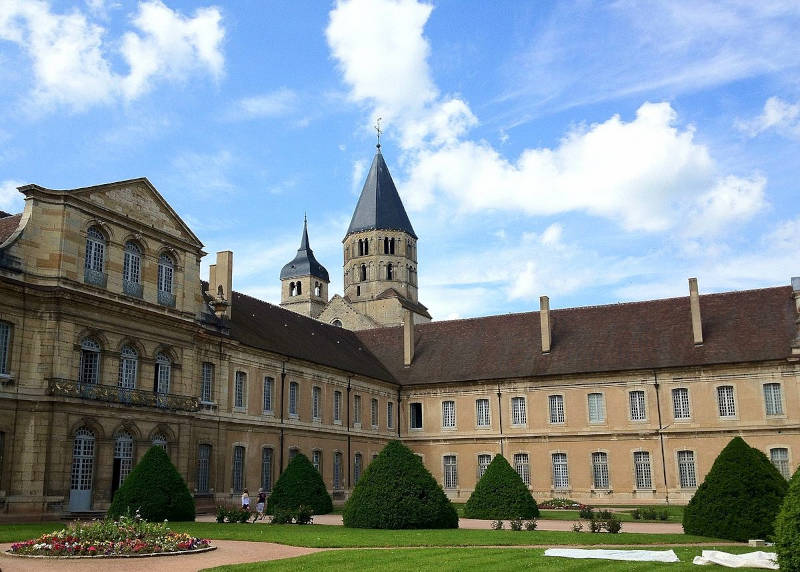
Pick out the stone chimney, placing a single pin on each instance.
(220, 284)
(408, 338)
(694, 303)
(796, 296)
(544, 318)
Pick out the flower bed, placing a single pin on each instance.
(561, 504)
(128, 536)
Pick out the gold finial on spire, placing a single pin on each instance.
(378, 129)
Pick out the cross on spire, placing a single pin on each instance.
(378, 129)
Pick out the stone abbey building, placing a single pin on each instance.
(111, 342)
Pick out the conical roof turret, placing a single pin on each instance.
(304, 264)
(379, 206)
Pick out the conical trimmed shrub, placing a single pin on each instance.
(500, 494)
(787, 528)
(739, 498)
(300, 485)
(154, 488)
(396, 491)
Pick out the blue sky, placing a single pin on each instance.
(592, 152)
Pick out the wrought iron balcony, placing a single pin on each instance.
(115, 394)
(94, 277)
(132, 288)
(166, 299)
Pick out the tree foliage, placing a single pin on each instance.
(299, 485)
(155, 489)
(396, 491)
(787, 528)
(501, 494)
(740, 497)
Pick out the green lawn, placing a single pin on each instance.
(28, 530)
(457, 559)
(623, 512)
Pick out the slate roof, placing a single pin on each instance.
(753, 325)
(379, 206)
(304, 264)
(8, 224)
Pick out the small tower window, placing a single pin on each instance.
(386, 245)
(317, 289)
(337, 322)
(363, 272)
(391, 246)
(358, 290)
(299, 288)
(366, 246)
(389, 272)
(292, 289)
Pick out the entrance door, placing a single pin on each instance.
(80, 494)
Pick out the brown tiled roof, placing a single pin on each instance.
(262, 325)
(8, 224)
(745, 326)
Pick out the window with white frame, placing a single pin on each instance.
(266, 468)
(687, 474)
(483, 463)
(203, 467)
(123, 457)
(337, 471)
(238, 469)
(597, 408)
(337, 406)
(390, 414)
(5, 346)
(638, 411)
(128, 364)
(160, 440)
(600, 470)
(293, 389)
(207, 389)
(522, 467)
(773, 404)
(357, 462)
(132, 263)
(450, 472)
(482, 413)
(89, 367)
(374, 413)
(727, 406)
(641, 466)
(316, 403)
(239, 389)
(556, 408)
(166, 273)
(680, 403)
(780, 458)
(560, 471)
(316, 460)
(163, 372)
(415, 415)
(269, 392)
(95, 250)
(356, 410)
(448, 414)
(518, 414)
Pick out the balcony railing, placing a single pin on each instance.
(132, 288)
(166, 298)
(94, 277)
(115, 394)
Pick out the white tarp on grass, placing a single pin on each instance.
(631, 555)
(750, 560)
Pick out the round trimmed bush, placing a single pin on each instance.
(739, 498)
(299, 485)
(787, 528)
(396, 491)
(155, 489)
(501, 494)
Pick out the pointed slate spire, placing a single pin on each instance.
(304, 264)
(379, 206)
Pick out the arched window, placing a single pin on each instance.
(299, 287)
(80, 494)
(163, 370)
(337, 322)
(132, 265)
(360, 247)
(391, 246)
(95, 249)
(166, 273)
(317, 289)
(160, 440)
(366, 246)
(389, 272)
(363, 272)
(292, 289)
(386, 245)
(123, 460)
(89, 368)
(128, 364)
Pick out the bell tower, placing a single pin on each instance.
(304, 281)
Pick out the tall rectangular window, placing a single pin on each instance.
(269, 388)
(727, 407)
(415, 415)
(597, 408)
(522, 467)
(450, 472)
(780, 458)
(207, 382)
(337, 406)
(390, 414)
(357, 410)
(482, 413)
(518, 413)
(337, 471)
(680, 403)
(483, 463)
(560, 471)
(240, 383)
(238, 469)
(266, 468)
(638, 411)
(293, 389)
(203, 467)
(374, 413)
(641, 466)
(686, 471)
(448, 414)
(772, 399)
(5, 345)
(316, 460)
(316, 402)
(556, 408)
(357, 462)
(600, 470)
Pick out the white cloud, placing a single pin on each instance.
(204, 174)
(777, 115)
(11, 200)
(273, 104)
(357, 176)
(731, 200)
(71, 54)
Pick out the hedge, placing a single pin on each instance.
(300, 485)
(500, 494)
(787, 528)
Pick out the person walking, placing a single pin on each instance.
(245, 500)
(262, 499)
